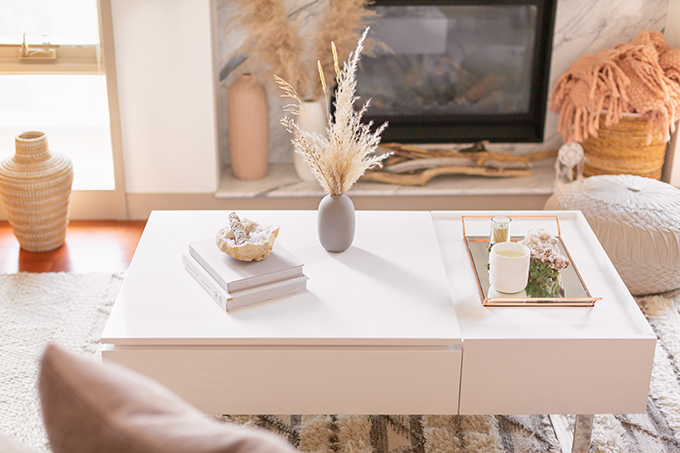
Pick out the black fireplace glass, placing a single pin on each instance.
(456, 71)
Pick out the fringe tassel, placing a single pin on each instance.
(658, 120)
(600, 85)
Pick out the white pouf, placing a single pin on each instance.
(637, 220)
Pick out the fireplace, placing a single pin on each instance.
(460, 71)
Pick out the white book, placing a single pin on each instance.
(235, 275)
(238, 299)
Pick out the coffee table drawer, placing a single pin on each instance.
(303, 380)
(557, 376)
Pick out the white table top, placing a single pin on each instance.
(616, 316)
(388, 289)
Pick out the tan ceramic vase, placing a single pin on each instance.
(35, 185)
(248, 122)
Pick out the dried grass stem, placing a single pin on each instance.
(342, 157)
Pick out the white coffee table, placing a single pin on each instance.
(549, 360)
(393, 325)
(376, 333)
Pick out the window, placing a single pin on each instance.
(56, 84)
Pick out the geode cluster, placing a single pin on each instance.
(246, 240)
(546, 263)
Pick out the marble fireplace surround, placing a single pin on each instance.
(582, 27)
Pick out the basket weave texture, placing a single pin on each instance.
(35, 186)
(623, 148)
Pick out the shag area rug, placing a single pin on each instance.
(71, 310)
(37, 309)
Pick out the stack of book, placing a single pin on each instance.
(236, 284)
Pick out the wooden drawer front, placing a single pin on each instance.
(540, 376)
(304, 380)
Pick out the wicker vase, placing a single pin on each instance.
(248, 118)
(35, 185)
(623, 149)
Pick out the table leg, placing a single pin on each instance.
(579, 442)
(583, 430)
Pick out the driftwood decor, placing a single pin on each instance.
(414, 166)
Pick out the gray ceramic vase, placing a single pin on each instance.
(335, 221)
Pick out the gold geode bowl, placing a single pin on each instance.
(257, 247)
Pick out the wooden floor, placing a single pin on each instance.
(91, 246)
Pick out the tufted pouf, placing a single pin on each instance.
(637, 220)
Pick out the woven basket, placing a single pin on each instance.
(622, 148)
(35, 186)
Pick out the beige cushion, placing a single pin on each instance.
(637, 221)
(89, 407)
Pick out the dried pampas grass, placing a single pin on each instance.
(274, 43)
(342, 24)
(342, 157)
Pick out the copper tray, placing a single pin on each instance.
(572, 289)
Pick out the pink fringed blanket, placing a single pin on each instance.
(642, 76)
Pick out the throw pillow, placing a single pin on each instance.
(91, 407)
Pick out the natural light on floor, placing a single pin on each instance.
(72, 110)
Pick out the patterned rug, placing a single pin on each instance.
(71, 309)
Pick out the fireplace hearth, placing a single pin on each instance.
(580, 28)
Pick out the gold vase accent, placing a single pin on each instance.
(35, 186)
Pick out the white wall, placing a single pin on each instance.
(673, 39)
(163, 51)
(168, 97)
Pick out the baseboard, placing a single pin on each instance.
(140, 205)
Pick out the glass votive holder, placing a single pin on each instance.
(500, 229)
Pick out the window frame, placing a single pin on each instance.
(96, 59)
(71, 59)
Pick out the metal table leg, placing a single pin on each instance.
(579, 442)
(583, 431)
